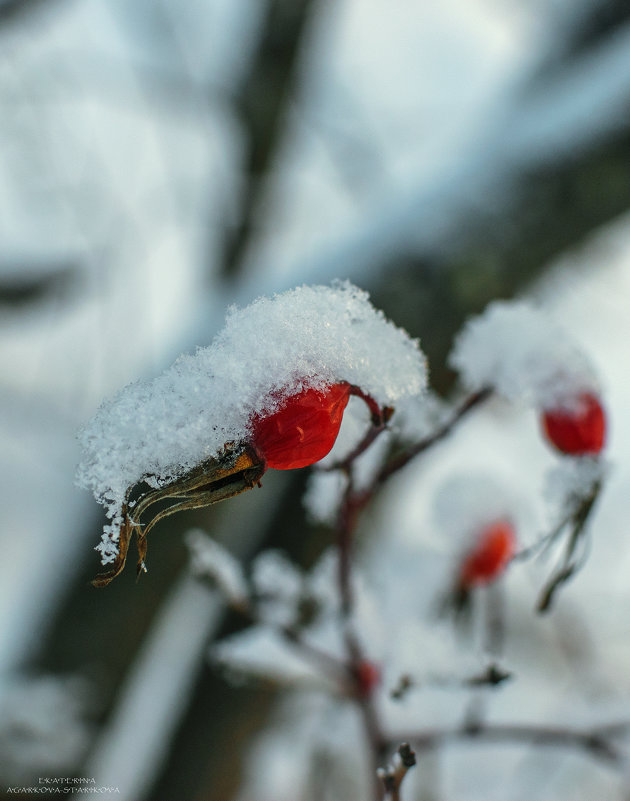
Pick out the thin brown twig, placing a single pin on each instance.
(346, 524)
(393, 776)
(572, 559)
(352, 503)
(380, 417)
(329, 664)
(596, 741)
(398, 462)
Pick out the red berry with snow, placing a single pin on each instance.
(489, 557)
(577, 431)
(303, 429)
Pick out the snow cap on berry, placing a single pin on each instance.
(308, 337)
(518, 351)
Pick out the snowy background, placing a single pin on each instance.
(160, 160)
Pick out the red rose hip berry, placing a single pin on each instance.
(368, 677)
(489, 557)
(303, 429)
(577, 431)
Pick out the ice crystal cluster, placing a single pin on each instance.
(515, 349)
(311, 336)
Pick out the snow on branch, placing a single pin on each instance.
(211, 560)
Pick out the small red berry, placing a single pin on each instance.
(368, 677)
(577, 431)
(493, 550)
(303, 430)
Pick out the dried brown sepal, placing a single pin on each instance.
(236, 470)
(103, 579)
(576, 548)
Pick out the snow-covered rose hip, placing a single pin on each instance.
(303, 429)
(304, 426)
(270, 391)
(494, 548)
(577, 429)
(521, 354)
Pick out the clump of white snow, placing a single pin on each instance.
(262, 652)
(211, 560)
(278, 587)
(518, 351)
(311, 336)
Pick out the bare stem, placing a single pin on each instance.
(596, 741)
(393, 776)
(352, 504)
(398, 462)
(347, 519)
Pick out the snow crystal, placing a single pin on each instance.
(518, 351)
(306, 337)
(209, 559)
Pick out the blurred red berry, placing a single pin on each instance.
(577, 431)
(493, 550)
(303, 430)
(368, 677)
